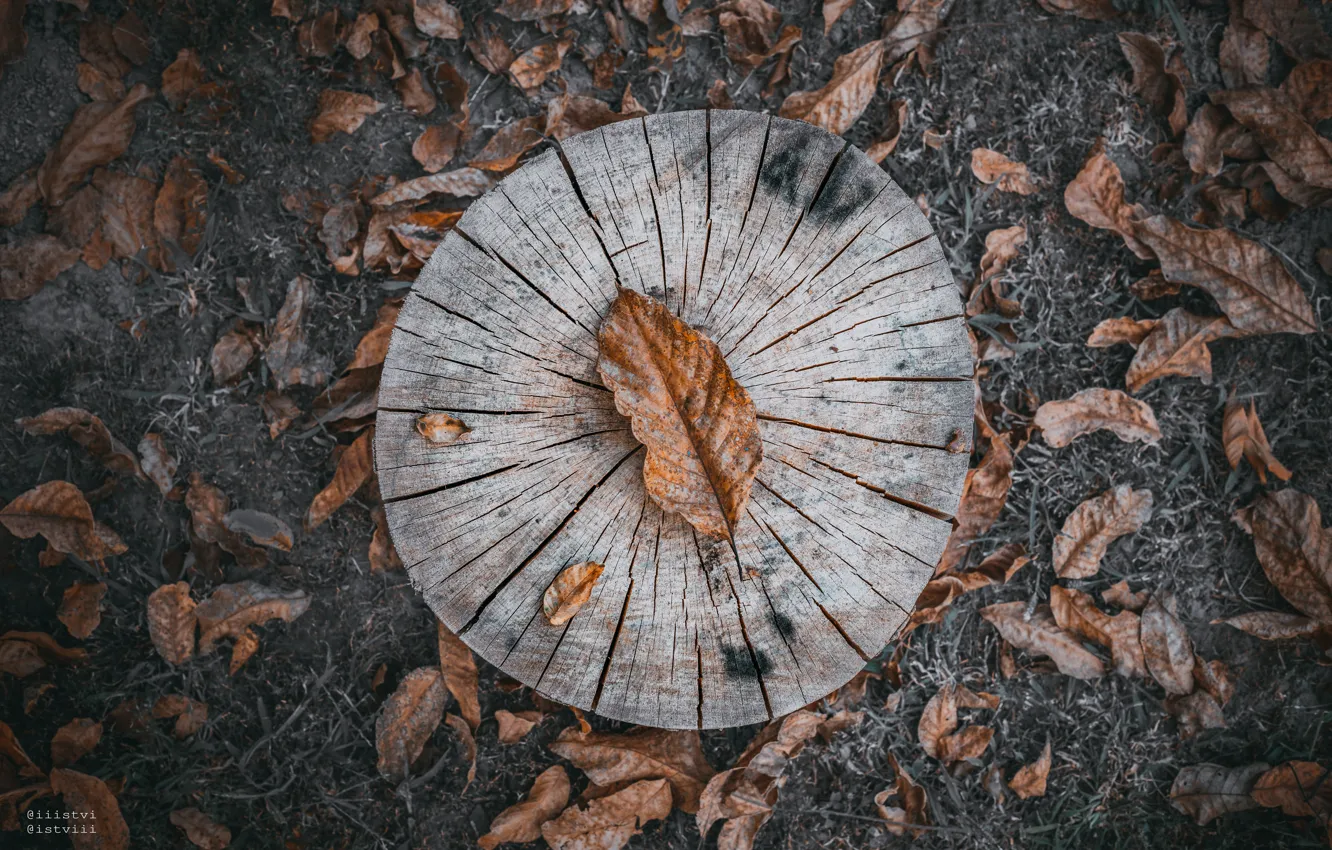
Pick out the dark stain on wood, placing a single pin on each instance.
(849, 188)
(783, 625)
(781, 171)
(739, 664)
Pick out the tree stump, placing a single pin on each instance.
(828, 293)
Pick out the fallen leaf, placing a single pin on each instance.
(179, 217)
(87, 797)
(1205, 792)
(337, 231)
(569, 115)
(437, 18)
(18, 198)
(750, 26)
(319, 37)
(1244, 439)
(460, 183)
(231, 175)
(11, 749)
(416, 93)
(1243, 54)
(1195, 712)
(1273, 625)
(74, 740)
(1293, 548)
(514, 726)
(913, 811)
(263, 529)
(459, 670)
(665, 375)
(1249, 283)
(1153, 80)
(1299, 788)
(838, 105)
(1177, 345)
(292, 10)
(341, 112)
(279, 411)
(246, 645)
(232, 608)
(58, 511)
(1294, 27)
(408, 719)
(993, 167)
(181, 78)
(1121, 330)
(521, 822)
(98, 134)
(915, 30)
(19, 658)
(31, 263)
(171, 622)
(1040, 634)
(132, 39)
(1092, 10)
(157, 463)
(535, 64)
(96, 84)
(509, 143)
(190, 714)
(464, 732)
(97, 45)
(1307, 86)
(1094, 525)
(1119, 594)
(201, 830)
(610, 758)
(80, 608)
(1166, 646)
(891, 133)
(1061, 422)
(1030, 779)
(938, 731)
(609, 822)
(437, 146)
(570, 591)
(127, 216)
(832, 11)
(359, 39)
(1001, 248)
(490, 50)
(1076, 613)
(984, 494)
(208, 507)
(233, 353)
(288, 353)
(354, 469)
(441, 428)
(88, 431)
(1096, 196)
(532, 10)
(720, 98)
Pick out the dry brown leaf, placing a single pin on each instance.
(208, 507)
(341, 112)
(441, 428)
(1096, 196)
(937, 730)
(127, 216)
(509, 143)
(569, 115)
(1001, 248)
(201, 830)
(1248, 281)
(288, 353)
(521, 822)
(464, 732)
(749, 26)
(1061, 422)
(262, 529)
(838, 105)
(179, 218)
(916, 29)
(745, 794)
(993, 167)
(279, 411)
(421, 232)
(74, 740)
(1214, 678)
(157, 463)
(1177, 345)
(1208, 791)
(233, 353)
(460, 677)
(535, 64)
(319, 37)
(58, 511)
(98, 134)
(514, 726)
(360, 38)
(1292, 24)
(437, 146)
(31, 263)
(383, 556)
(11, 749)
(665, 374)
(1122, 330)
(171, 622)
(354, 468)
(131, 38)
(97, 45)
(832, 11)
(437, 18)
(532, 10)
(181, 78)
(490, 49)
(408, 719)
(88, 431)
(1120, 595)
(232, 608)
(891, 133)
(87, 797)
(570, 591)
(19, 658)
(1153, 80)
(1299, 788)
(1076, 613)
(337, 230)
(80, 608)
(416, 94)
(460, 183)
(1166, 646)
(1094, 525)
(1243, 54)
(913, 810)
(609, 822)
(95, 83)
(190, 714)
(1293, 548)
(19, 197)
(1092, 10)
(984, 494)
(246, 645)
(1273, 625)
(1040, 634)
(1195, 712)
(1030, 779)
(610, 758)
(1203, 146)
(1309, 88)
(1244, 439)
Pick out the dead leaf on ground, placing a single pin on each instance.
(1096, 196)
(521, 822)
(915, 29)
(18, 198)
(532, 10)
(993, 167)
(609, 822)
(459, 183)
(984, 494)
(87, 797)
(1041, 635)
(437, 18)
(233, 353)
(1061, 422)
(182, 77)
(509, 143)
(490, 50)
(1195, 712)
(416, 94)
(158, 464)
(1122, 330)
(98, 134)
(246, 645)
(1094, 525)
(749, 27)
(262, 529)
(58, 511)
(341, 112)
(938, 727)
(1205, 792)
(1243, 55)
(665, 374)
(11, 749)
(320, 36)
(383, 556)
(190, 714)
(279, 412)
(408, 719)
(1250, 284)
(912, 809)
(355, 467)
(569, 115)
(838, 105)
(570, 591)
(459, 669)
(1294, 549)
(891, 132)
(97, 45)
(1030, 779)
(1309, 88)
(88, 431)
(1244, 439)
(232, 608)
(1154, 81)
(288, 353)
(171, 622)
(201, 830)
(96, 84)
(1118, 594)
(1177, 345)
(1076, 613)
(80, 608)
(437, 146)
(468, 738)
(208, 507)
(514, 726)
(31, 263)
(1166, 646)
(179, 217)
(337, 230)
(1298, 788)
(74, 740)
(535, 64)
(1092, 10)
(610, 758)
(1274, 625)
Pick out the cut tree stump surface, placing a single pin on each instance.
(828, 293)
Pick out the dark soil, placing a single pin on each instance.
(287, 757)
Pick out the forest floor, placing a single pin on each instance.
(287, 756)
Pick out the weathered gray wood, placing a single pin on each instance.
(827, 291)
